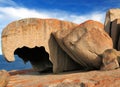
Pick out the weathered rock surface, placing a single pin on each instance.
(115, 32)
(31, 39)
(110, 59)
(85, 43)
(4, 78)
(112, 25)
(66, 79)
(111, 15)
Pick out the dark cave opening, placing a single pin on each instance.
(37, 56)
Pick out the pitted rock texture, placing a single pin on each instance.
(66, 79)
(35, 34)
(85, 43)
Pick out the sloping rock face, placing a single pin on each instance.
(68, 79)
(4, 78)
(85, 43)
(112, 26)
(31, 40)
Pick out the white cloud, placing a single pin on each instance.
(9, 14)
(97, 16)
(18, 13)
(21, 12)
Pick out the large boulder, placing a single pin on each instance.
(85, 43)
(31, 40)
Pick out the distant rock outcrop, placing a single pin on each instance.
(31, 39)
(85, 43)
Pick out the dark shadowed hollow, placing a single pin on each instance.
(37, 56)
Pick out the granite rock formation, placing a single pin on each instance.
(112, 25)
(85, 43)
(31, 40)
(51, 44)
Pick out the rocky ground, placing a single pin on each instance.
(30, 78)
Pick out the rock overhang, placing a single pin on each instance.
(68, 46)
(32, 33)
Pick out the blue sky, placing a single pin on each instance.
(71, 10)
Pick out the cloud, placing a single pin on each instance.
(19, 12)
(97, 16)
(7, 3)
(9, 14)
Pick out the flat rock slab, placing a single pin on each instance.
(29, 78)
